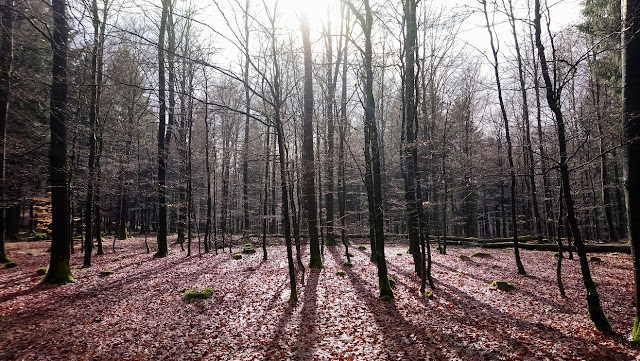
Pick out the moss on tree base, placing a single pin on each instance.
(59, 274)
(635, 331)
(316, 262)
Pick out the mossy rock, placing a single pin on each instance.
(555, 254)
(459, 274)
(107, 273)
(614, 254)
(348, 264)
(237, 256)
(350, 254)
(429, 295)
(341, 273)
(248, 245)
(392, 282)
(595, 259)
(386, 298)
(463, 257)
(482, 254)
(248, 250)
(202, 293)
(502, 286)
(29, 253)
(123, 256)
(116, 259)
(11, 264)
(362, 247)
(399, 254)
(42, 271)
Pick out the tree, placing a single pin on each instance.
(162, 146)
(59, 270)
(553, 95)
(503, 112)
(631, 126)
(373, 176)
(308, 168)
(6, 62)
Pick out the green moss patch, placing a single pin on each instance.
(107, 273)
(42, 271)
(502, 286)
(237, 256)
(398, 254)
(463, 257)
(614, 254)
(429, 295)
(459, 274)
(36, 237)
(386, 298)
(392, 282)
(202, 293)
(362, 247)
(555, 254)
(350, 254)
(348, 264)
(29, 253)
(248, 249)
(341, 273)
(11, 264)
(116, 259)
(595, 259)
(482, 254)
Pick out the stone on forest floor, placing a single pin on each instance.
(348, 264)
(202, 293)
(107, 272)
(237, 256)
(595, 259)
(42, 271)
(482, 254)
(463, 257)
(502, 285)
(341, 273)
(362, 247)
(11, 264)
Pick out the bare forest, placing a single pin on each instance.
(320, 180)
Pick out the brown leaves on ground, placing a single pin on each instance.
(138, 312)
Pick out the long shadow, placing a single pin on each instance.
(274, 351)
(307, 338)
(486, 316)
(533, 296)
(392, 323)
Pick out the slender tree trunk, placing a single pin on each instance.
(593, 298)
(631, 125)
(265, 201)
(512, 172)
(245, 145)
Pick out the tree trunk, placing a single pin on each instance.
(59, 270)
(162, 144)
(6, 62)
(593, 298)
(308, 167)
(631, 125)
(512, 172)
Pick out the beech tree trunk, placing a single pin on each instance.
(6, 62)
(631, 126)
(593, 298)
(59, 270)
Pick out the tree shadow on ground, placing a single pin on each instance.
(307, 337)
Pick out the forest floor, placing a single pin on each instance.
(138, 312)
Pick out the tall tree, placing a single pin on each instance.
(59, 270)
(308, 167)
(373, 174)
(631, 126)
(162, 146)
(6, 62)
(553, 97)
(505, 119)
